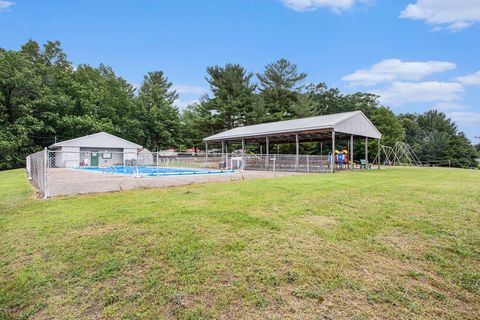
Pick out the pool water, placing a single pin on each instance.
(153, 171)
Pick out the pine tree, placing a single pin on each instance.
(156, 112)
(280, 86)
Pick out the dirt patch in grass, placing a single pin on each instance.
(405, 244)
(319, 221)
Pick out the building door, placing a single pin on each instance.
(94, 159)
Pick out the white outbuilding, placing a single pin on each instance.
(99, 149)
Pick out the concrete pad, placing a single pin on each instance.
(62, 181)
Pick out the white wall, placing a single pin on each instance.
(116, 156)
(68, 157)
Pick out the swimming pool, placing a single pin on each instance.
(153, 171)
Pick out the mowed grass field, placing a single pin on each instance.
(384, 244)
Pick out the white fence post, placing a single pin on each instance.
(29, 167)
(45, 177)
(275, 164)
(308, 165)
(137, 174)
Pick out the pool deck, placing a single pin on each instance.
(68, 182)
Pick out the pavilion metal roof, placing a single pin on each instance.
(348, 123)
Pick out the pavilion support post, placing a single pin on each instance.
(378, 157)
(297, 148)
(224, 164)
(267, 151)
(206, 153)
(243, 154)
(332, 157)
(351, 152)
(226, 155)
(366, 152)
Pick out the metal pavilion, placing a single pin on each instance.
(347, 126)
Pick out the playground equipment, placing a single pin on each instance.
(341, 157)
(401, 154)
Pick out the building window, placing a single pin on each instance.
(107, 155)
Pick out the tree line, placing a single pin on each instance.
(43, 96)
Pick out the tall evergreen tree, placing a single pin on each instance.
(280, 86)
(233, 95)
(233, 102)
(157, 114)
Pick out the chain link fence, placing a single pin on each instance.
(199, 160)
(63, 172)
(56, 173)
(37, 170)
(288, 163)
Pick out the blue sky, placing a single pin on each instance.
(417, 54)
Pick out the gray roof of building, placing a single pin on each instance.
(354, 122)
(98, 140)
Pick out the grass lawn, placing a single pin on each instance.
(395, 244)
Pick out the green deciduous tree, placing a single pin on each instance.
(42, 97)
(434, 137)
(20, 88)
(389, 125)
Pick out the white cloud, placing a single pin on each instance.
(394, 69)
(188, 89)
(454, 15)
(470, 79)
(5, 5)
(310, 5)
(465, 116)
(448, 106)
(404, 92)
